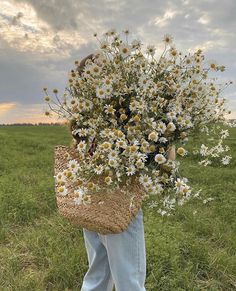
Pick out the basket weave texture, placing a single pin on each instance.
(109, 211)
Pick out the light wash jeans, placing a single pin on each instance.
(118, 259)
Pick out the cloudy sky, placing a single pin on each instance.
(40, 40)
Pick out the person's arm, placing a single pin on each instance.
(83, 61)
(72, 123)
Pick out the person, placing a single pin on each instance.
(118, 259)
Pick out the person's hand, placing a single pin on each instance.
(171, 155)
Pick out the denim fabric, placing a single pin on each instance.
(116, 259)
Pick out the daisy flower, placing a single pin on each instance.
(80, 132)
(64, 173)
(167, 39)
(158, 188)
(203, 150)
(171, 126)
(145, 179)
(101, 92)
(60, 177)
(79, 196)
(121, 143)
(136, 43)
(186, 190)
(48, 113)
(162, 212)
(140, 164)
(47, 98)
(225, 160)
(73, 165)
(81, 146)
(212, 65)
(171, 115)
(181, 151)
(179, 184)
(107, 82)
(108, 90)
(160, 159)
(133, 105)
(108, 180)
(124, 50)
(95, 69)
(161, 126)
(86, 199)
(126, 31)
(111, 32)
(113, 154)
(163, 139)
(98, 169)
(104, 45)
(73, 102)
(224, 133)
(113, 163)
(151, 50)
(173, 52)
(62, 190)
(130, 170)
(106, 146)
(153, 136)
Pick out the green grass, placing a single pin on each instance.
(39, 250)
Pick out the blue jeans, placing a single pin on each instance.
(118, 259)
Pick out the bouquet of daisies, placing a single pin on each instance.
(131, 109)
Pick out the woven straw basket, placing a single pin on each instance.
(112, 214)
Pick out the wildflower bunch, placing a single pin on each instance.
(132, 107)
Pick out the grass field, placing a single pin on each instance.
(39, 250)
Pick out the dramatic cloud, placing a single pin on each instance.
(26, 32)
(40, 40)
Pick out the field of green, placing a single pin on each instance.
(39, 250)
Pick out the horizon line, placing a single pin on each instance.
(59, 123)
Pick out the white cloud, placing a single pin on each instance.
(164, 20)
(26, 32)
(204, 19)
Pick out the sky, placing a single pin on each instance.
(41, 40)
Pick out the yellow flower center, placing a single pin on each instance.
(61, 189)
(178, 184)
(107, 179)
(133, 148)
(152, 148)
(106, 145)
(152, 135)
(123, 116)
(90, 185)
(136, 118)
